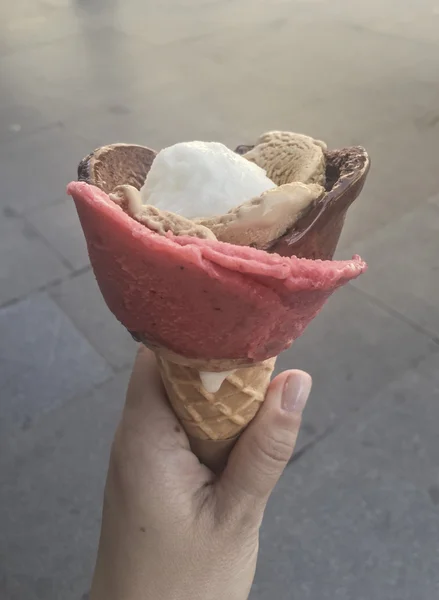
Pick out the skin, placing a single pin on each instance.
(171, 529)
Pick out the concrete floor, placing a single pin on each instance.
(356, 516)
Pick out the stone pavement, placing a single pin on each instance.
(356, 515)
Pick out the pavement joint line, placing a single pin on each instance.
(314, 441)
(339, 423)
(46, 242)
(81, 396)
(33, 46)
(46, 287)
(26, 48)
(395, 313)
(385, 34)
(49, 204)
(12, 211)
(22, 135)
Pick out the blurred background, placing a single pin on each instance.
(356, 515)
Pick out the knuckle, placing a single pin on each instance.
(275, 451)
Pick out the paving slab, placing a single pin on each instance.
(26, 262)
(81, 70)
(353, 349)
(153, 118)
(357, 515)
(59, 225)
(392, 19)
(80, 298)
(302, 95)
(404, 267)
(393, 188)
(45, 362)
(36, 168)
(52, 489)
(347, 97)
(28, 24)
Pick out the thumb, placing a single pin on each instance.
(264, 449)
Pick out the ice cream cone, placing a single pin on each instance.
(248, 334)
(213, 421)
(221, 415)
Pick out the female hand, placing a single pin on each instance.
(171, 530)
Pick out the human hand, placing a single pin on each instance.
(171, 530)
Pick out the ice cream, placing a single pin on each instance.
(288, 156)
(262, 220)
(203, 304)
(194, 188)
(212, 381)
(160, 221)
(255, 223)
(202, 179)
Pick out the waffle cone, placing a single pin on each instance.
(215, 416)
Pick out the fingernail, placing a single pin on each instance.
(296, 391)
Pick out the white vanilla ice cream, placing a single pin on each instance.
(202, 179)
(212, 382)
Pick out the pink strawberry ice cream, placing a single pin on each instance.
(202, 298)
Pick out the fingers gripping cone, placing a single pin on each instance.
(255, 302)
